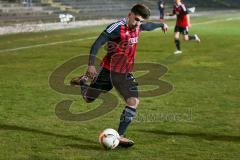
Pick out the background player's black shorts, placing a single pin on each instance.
(125, 84)
(183, 30)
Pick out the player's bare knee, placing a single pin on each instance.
(186, 38)
(133, 101)
(176, 38)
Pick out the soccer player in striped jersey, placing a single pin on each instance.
(182, 24)
(117, 65)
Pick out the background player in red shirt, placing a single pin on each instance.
(116, 67)
(182, 24)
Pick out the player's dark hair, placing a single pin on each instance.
(142, 10)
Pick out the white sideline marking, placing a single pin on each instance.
(90, 38)
(46, 44)
(214, 21)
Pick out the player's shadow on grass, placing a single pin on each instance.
(171, 59)
(30, 130)
(206, 136)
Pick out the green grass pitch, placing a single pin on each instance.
(206, 91)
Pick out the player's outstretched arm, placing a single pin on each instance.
(101, 40)
(149, 26)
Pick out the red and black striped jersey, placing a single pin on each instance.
(181, 12)
(121, 45)
(121, 49)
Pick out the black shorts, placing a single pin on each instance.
(125, 84)
(183, 30)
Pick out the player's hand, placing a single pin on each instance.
(189, 25)
(91, 72)
(165, 28)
